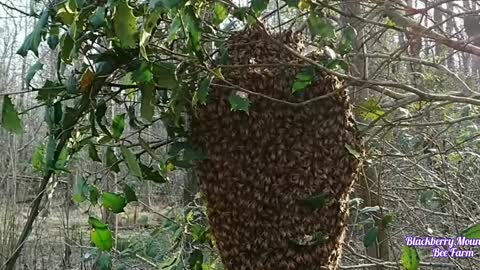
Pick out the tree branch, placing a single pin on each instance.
(15, 9)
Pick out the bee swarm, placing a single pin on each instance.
(263, 166)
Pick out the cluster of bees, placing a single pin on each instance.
(277, 179)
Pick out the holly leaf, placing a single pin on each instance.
(370, 237)
(347, 43)
(32, 41)
(118, 125)
(239, 102)
(10, 119)
(147, 30)
(150, 174)
(321, 26)
(292, 3)
(303, 79)
(104, 262)
(132, 163)
(143, 74)
(201, 94)
(125, 24)
(259, 5)
(66, 43)
(194, 31)
(92, 153)
(371, 110)
(32, 71)
(112, 160)
(147, 102)
(130, 195)
(81, 190)
(98, 18)
(38, 159)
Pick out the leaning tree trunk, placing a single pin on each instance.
(277, 179)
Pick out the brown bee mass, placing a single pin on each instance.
(277, 180)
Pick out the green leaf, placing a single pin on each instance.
(10, 119)
(61, 163)
(240, 13)
(112, 160)
(50, 155)
(71, 85)
(194, 31)
(125, 24)
(150, 174)
(164, 75)
(98, 18)
(147, 29)
(292, 3)
(175, 27)
(32, 71)
(195, 260)
(239, 103)
(391, 23)
(65, 15)
(147, 102)
(371, 110)
(353, 151)
(315, 202)
(349, 37)
(132, 163)
(38, 159)
(201, 94)
(81, 190)
(130, 195)
(258, 6)
(167, 4)
(71, 5)
(387, 220)
(336, 64)
(220, 13)
(132, 118)
(184, 155)
(321, 26)
(32, 41)
(143, 73)
(118, 125)
(67, 44)
(49, 91)
(104, 262)
(303, 79)
(113, 202)
(370, 237)
(92, 153)
(472, 232)
(149, 150)
(97, 224)
(410, 258)
(101, 236)
(94, 195)
(53, 39)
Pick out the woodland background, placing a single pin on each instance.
(414, 75)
